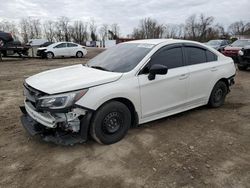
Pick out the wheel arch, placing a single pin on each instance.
(225, 80)
(130, 106)
(50, 52)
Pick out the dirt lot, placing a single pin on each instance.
(199, 148)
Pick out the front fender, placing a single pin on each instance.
(123, 88)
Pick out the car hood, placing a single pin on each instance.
(42, 48)
(70, 78)
(232, 48)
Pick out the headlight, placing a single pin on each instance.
(241, 53)
(61, 101)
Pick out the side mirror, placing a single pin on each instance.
(157, 69)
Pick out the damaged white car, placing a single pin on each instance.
(130, 84)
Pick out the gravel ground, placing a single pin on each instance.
(198, 148)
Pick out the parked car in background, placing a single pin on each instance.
(62, 49)
(36, 42)
(10, 45)
(128, 84)
(233, 49)
(218, 44)
(5, 38)
(244, 58)
(46, 44)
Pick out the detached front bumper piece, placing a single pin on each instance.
(56, 135)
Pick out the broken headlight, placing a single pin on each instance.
(61, 101)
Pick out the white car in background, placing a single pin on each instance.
(62, 49)
(131, 83)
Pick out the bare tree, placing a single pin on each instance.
(48, 30)
(9, 27)
(103, 31)
(238, 28)
(174, 31)
(93, 28)
(197, 29)
(148, 28)
(35, 30)
(24, 26)
(115, 29)
(79, 32)
(62, 29)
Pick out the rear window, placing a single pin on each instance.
(211, 56)
(72, 45)
(195, 55)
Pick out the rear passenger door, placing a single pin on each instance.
(202, 66)
(72, 49)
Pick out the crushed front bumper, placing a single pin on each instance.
(34, 122)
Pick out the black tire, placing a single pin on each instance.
(49, 55)
(242, 67)
(79, 54)
(110, 123)
(218, 95)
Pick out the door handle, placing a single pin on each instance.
(214, 69)
(183, 76)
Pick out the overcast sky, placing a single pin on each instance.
(126, 13)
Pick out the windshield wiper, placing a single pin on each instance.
(100, 68)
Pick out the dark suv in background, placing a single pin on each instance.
(244, 58)
(5, 38)
(233, 49)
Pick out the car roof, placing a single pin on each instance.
(158, 41)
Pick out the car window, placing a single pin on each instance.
(195, 55)
(224, 42)
(211, 56)
(172, 58)
(62, 45)
(240, 43)
(121, 58)
(72, 45)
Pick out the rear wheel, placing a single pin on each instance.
(218, 95)
(242, 67)
(79, 54)
(110, 123)
(49, 55)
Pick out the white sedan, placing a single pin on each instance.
(131, 83)
(62, 49)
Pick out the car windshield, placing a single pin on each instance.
(214, 42)
(121, 58)
(241, 43)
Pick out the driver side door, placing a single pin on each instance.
(166, 94)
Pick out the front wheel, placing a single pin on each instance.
(110, 123)
(218, 95)
(49, 55)
(79, 54)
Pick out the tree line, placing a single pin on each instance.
(199, 28)
(61, 29)
(196, 27)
